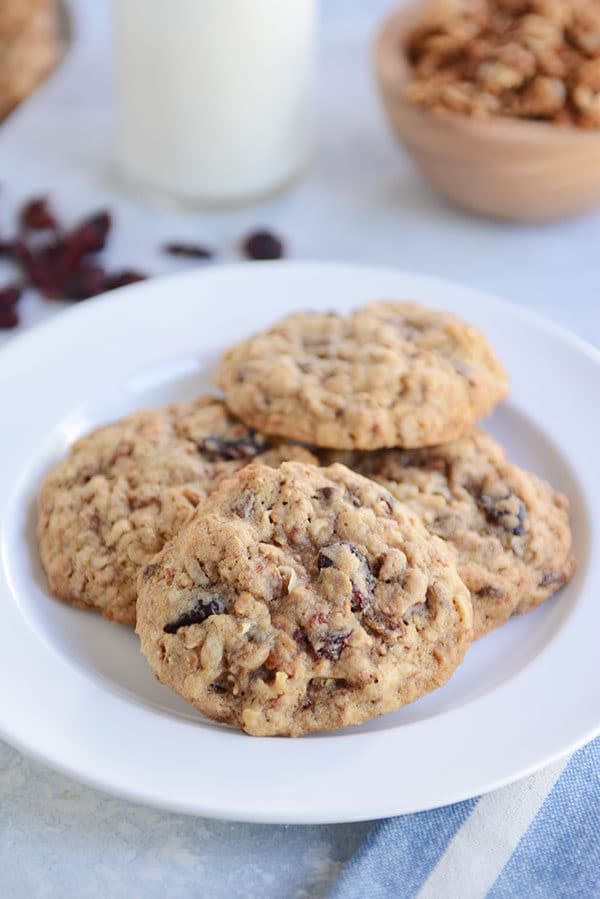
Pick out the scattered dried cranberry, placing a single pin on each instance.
(58, 268)
(8, 318)
(263, 245)
(88, 280)
(20, 252)
(47, 271)
(36, 215)
(189, 250)
(57, 263)
(122, 279)
(10, 296)
(47, 268)
(91, 235)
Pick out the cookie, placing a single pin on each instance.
(299, 599)
(508, 529)
(127, 488)
(389, 374)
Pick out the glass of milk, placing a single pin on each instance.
(214, 97)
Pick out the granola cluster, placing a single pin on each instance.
(534, 59)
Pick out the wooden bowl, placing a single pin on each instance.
(499, 167)
(30, 47)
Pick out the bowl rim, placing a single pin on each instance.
(393, 72)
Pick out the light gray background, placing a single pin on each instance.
(361, 201)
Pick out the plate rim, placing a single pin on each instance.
(115, 296)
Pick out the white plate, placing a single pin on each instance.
(77, 693)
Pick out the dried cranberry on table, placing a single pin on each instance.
(49, 267)
(122, 279)
(188, 250)
(40, 266)
(8, 318)
(36, 215)
(57, 267)
(9, 297)
(92, 233)
(61, 264)
(87, 281)
(263, 245)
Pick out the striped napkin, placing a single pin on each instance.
(535, 839)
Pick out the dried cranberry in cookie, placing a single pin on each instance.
(299, 599)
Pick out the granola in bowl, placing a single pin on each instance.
(529, 59)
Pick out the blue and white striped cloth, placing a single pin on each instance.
(535, 839)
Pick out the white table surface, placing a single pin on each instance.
(361, 201)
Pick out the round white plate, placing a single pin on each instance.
(76, 691)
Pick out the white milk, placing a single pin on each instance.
(214, 96)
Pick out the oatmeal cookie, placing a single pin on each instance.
(508, 529)
(125, 489)
(389, 374)
(299, 599)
